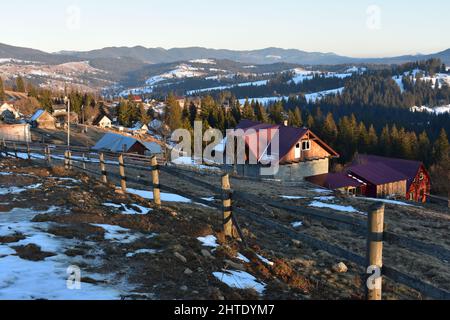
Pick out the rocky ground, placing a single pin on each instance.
(126, 248)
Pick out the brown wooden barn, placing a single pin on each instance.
(380, 177)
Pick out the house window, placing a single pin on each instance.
(411, 196)
(306, 145)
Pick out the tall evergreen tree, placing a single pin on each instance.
(2, 91)
(20, 84)
(441, 148)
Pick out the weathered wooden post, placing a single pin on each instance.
(28, 151)
(375, 251)
(84, 161)
(226, 203)
(103, 167)
(66, 160)
(155, 180)
(123, 178)
(49, 156)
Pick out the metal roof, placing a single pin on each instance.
(117, 143)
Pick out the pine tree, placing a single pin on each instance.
(261, 113)
(247, 112)
(20, 85)
(2, 91)
(330, 131)
(173, 113)
(424, 148)
(373, 140)
(276, 113)
(441, 148)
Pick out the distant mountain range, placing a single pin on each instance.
(141, 55)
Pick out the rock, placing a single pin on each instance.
(235, 265)
(188, 272)
(207, 254)
(180, 257)
(184, 288)
(296, 243)
(340, 268)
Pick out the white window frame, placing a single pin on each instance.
(308, 142)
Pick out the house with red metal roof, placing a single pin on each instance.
(380, 177)
(299, 152)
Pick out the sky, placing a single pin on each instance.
(358, 28)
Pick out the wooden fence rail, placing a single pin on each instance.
(152, 166)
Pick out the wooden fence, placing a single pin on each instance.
(372, 229)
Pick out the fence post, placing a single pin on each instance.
(375, 251)
(155, 180)
(123, 178)
(49, 156)
(103, 167)
(226, 202)
(28, 151)
(66, 160)
(84, 161)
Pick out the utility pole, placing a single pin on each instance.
(68, 122)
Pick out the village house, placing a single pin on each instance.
(103, 122)
(301, 153)
(140, 128)
(112, 142)
(380, 177)
(15, 132)
(43, 120)
(62, 117)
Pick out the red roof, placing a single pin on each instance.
(408, 168)
(376, 173)
(334, 181)
(288, 137)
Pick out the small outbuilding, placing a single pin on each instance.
(15, 132)
(113, 142)
(43, 120)
(103, 121)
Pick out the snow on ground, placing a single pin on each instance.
(400, 203)
(266, 261)
(325, 198)
(435, 110)
(17, 190)
(188, 161)
(127, 209)
(25, 280)
(142, 251)
(168, 197)
(320, 190)
(119, 234)
(240, 280)
(310, 97)
(292, 197)
(244, 84)
(300, 75)
(297, 224)
(399, 81)
(242, 258)
(314, 97)
(208, 241)
(203, 61)
(318, 204)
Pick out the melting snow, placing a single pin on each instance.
(128, 209)
(266, 261)
(242, 258)
(318, 204)
(208, 241)
(118, 234)
(292, 197)
(240, 280)
(168, 197)
(400, 203)
(142, 251)
(297, 224)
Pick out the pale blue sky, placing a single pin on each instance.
(343, 27)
